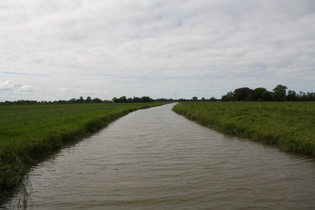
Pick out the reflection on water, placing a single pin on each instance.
(23, 199)
(155, 159)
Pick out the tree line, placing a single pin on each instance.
(279, 93)
(80, 100)
(89, 100)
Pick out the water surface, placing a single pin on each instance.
(156, 159)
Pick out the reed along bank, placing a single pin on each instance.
(31, 133)
(289, 125)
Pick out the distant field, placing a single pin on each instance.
(289, 125)
(29, 133)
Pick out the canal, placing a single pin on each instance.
(156, 159)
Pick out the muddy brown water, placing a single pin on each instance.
(156, 159)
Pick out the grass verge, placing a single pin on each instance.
(289, 125)
(31, 133)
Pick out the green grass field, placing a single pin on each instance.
(289, 125)
(29, 133)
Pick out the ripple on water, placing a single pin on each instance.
(155, 159)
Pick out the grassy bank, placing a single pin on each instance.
(289, 125)
(30, 133)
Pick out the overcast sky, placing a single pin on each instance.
(63, 49)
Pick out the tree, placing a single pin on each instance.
(267, 96)
(195, 98)
(241, 94)
(213, 99)
(123, 99)
(88, 99)
(279, 93)
(256, 94)
(136, 99)
(81, 100)
(97, 100)
(302, 96)
(73, 100)
(228, 97)
(310, 96)
(292, 95)
(260, 94)
(146, 99)
(115, 100)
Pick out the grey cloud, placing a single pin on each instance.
(227, 42)
(11, 85)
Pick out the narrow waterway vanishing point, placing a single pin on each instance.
(156, 159)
